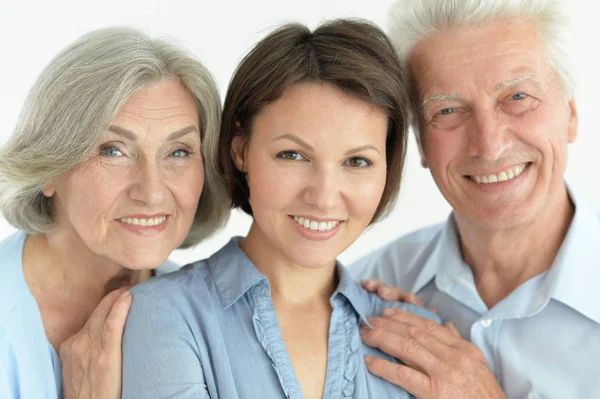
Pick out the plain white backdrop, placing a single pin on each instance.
(220, 33)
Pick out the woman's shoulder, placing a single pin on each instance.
(176, 286)
(13, 288)
(372, 305)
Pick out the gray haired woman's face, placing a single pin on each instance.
(133, 200)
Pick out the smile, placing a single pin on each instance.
(505, 175)
(314, 225)
(144, 222)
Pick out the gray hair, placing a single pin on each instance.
(412, 21)
(73, 102)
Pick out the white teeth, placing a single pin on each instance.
(144, 222)
(505, 175)
(315, 226)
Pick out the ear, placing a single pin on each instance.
(238, 152)
(573, 119)
(49, 190)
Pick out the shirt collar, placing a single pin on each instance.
(574, 285)
(576, 269)
(233, 272)
(445, 255)
(354, 293)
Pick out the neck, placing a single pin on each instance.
(64, 269)
(290, 282)
(502, 260)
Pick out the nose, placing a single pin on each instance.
(488, 135)
(324, 190)
(148, 186)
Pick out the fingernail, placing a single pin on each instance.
(388, 311)
(364, 329)
(125, 294)
(368, 359)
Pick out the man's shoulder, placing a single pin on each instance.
(400, 261)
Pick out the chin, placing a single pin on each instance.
(143, 261)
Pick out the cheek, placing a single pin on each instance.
(273, 188)
(187, 186)
(365, 193)
(89, 194)
(441, 148)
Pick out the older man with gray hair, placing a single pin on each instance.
(516, 266)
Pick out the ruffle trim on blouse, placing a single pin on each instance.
(268, 333)
(352, 341)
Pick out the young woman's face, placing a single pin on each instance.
(316, 166)
(134, 199)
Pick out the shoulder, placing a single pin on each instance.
(377, 305)
(401, 259)
(13, 287)
(168, 267)
(174, 289)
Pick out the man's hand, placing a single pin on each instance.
(92, 358)
(438, 362)
(389, 292)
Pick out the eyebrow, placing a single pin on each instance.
(441, 97)
(132, 136)
(299, 141)
(295, 139)
(361, 148)
(516, 81)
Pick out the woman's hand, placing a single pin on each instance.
(92, 358)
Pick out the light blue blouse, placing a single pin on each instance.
(29, 365)
(210, 331)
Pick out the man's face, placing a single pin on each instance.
(495, 123)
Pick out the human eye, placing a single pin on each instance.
(518, 96)
(518, 103)
(291, 156)
(358, 162)
(447, 111)
(110, 151)
(181, 153)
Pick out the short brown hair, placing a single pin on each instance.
(354, 56)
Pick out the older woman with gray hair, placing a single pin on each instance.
(111, 168)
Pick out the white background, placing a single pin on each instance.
(220, 32)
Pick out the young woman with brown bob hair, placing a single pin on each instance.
(312, 146)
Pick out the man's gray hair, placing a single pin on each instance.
(74, 101)
(412, 21)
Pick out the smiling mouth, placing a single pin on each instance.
(503, 176)
(144, 222)
(315, 225)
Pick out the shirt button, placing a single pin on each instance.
(486, 322)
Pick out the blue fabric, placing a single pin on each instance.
(29, 365)
(210, 330)
(542, 340)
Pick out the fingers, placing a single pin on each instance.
(112, 333)
(452, 327)
(95, 324)
(402, 341)
(440, 332)
(410, 379)
(390, 292)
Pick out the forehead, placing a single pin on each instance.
(319, 109)
(480, 57)
(165, 100)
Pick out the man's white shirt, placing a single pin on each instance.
(543, 340)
